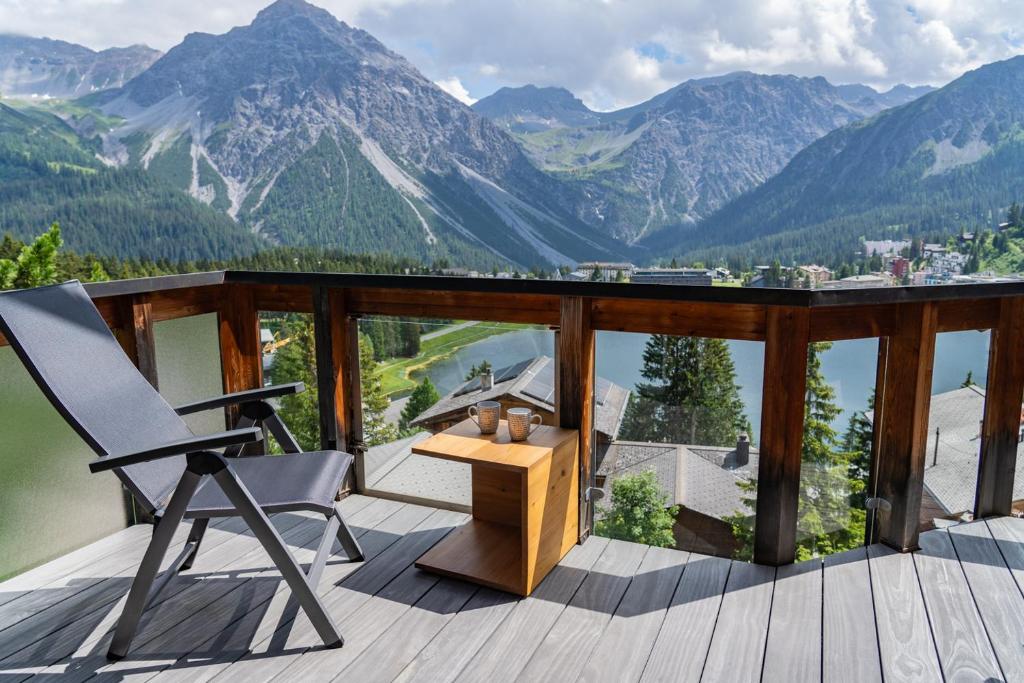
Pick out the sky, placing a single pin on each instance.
(610, 53)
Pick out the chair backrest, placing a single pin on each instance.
(69, 351)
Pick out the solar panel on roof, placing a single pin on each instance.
(501, 375)
(540, 390)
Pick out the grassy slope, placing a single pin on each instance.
(395, 373)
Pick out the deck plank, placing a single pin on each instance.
(364, 607)
(685, 636)
(793, 651)
(504, 655)
(389, 654)
(995, 593)
(737, 645)
(905, 640)
(217, 571)
(447, 654)
(1009, 535)
(565, 649)
(622, 651)
(253, 635)
(965, 652)
(849, 636)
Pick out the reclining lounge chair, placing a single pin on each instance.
(68, 349)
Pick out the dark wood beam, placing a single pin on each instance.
(902, 400)
(135, 334)
(1000, 431)
(240, 352)
(782, 425)
(575, 384)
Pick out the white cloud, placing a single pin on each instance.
(609, 53)
(453, 86)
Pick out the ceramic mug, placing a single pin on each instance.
(486, 414)
(521, 423)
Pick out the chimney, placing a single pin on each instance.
(742, 450)
(486, 381)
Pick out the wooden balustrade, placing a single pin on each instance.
(905, 320)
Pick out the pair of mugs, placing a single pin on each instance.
(520, 420)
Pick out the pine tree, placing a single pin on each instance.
(639, 512)
(423, 397)
(691, 395)
(296, 362)
(968, 380)
(36, 263)
(376, 429)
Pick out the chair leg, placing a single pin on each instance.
(195, 536)
(274, 545)
(348, 540)
(138, 596)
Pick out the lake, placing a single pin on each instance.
(849, 366)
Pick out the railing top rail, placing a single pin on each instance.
(694, 293)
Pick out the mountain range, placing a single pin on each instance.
(301, 130)
(675, 159)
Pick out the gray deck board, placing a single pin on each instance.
(1000, 604)
(611, 611)
(849, 642)
(793, 651)
(623, 649)
(682, 645)
(742, 618)
(567, 646)
(965, 652)
(904, 635)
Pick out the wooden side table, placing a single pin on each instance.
(525, 505)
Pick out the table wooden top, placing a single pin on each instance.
(464, 443)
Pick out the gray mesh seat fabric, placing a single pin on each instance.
(308, 481)
(76, 361)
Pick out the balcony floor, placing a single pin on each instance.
(611, 611)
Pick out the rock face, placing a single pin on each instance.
(313, 133)
(40, 67)
(952, 157)
(675, 159)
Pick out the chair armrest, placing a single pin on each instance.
(182, 447)
(261, 394)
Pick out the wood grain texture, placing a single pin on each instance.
(1008, 533)
(965, 652)
(849, 640)
(574, 384)
(685, 637)
(998, 598)
(1000, 430)
(482, 552)
(793, 651)
(906, 646)
(569, 644)
(902, 424)
(135, 334)
(240, 351)
(737, 646)
(684, 318)
(500, 307)
(623, 649)
(782, 422)
(508, 650)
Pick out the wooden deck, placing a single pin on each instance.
(611, 611)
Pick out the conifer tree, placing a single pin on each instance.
(691, 395)
(423, 397)
(376, 429)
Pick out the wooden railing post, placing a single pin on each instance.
(1000, 431)
(337, 373)
(787, 334)
(135, 333)
(240, 353)
(902, 400)
(575, 398)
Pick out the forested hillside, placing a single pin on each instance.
(48, 174)
(952, 159)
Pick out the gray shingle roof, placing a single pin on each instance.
(951, 477)
(701, 478)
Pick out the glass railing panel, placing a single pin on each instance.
(50, 503)
(683, 448)
(419, 377)
(188, 366)
(836, 446)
